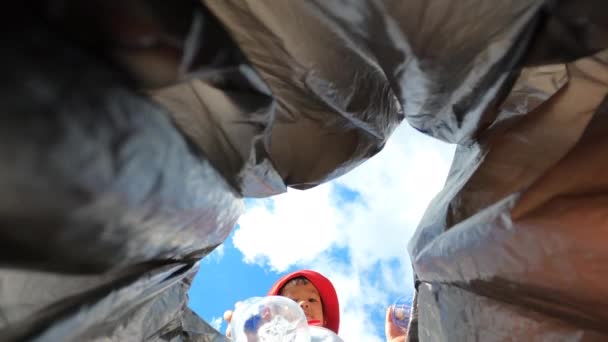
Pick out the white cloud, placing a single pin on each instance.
(303, 228)
(302, 225)
(216, 323)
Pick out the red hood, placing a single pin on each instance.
(331, 308)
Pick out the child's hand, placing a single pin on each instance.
(228, 319)
(393, 333)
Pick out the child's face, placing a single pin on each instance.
(307, 296)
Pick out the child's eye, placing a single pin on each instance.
(312, 300)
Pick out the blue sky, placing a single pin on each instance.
(354, 230)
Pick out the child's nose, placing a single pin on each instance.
(303, 304)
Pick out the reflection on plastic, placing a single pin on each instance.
(275, 318)
(269, 319)
(401, 312)
(320, 334)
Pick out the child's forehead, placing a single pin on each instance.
(301, 287)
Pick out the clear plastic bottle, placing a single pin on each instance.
(269, 319)
(401, 311)
(320, 334)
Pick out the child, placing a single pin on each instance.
(313, 292)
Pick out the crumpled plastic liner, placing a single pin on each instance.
(133, 129)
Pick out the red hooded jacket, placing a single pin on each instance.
(329, 298)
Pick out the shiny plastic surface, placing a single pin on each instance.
(131, 130)
(269, 319)
(320, 334)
